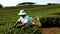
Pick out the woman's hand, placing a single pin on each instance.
(23, 24)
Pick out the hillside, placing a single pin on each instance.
(9, 15)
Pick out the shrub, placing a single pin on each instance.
(1, 6)
(50, 22)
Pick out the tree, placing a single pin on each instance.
(1, 6)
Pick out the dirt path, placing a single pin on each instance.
(50, 30)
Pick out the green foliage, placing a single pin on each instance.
(50, 22)
(9, 15)
(22, 30)
(1, 6)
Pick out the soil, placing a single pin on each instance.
(54, 30)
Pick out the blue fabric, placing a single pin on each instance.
(29, 22)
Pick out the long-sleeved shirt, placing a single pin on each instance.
(26, 19)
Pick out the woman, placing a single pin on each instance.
(24, 19)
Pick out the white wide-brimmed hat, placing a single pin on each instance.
(22, 12)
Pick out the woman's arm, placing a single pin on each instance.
(16, 23)
(23, 24)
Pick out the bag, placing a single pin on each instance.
(35, 20)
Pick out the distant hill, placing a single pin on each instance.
(25, 3)
(53, 3)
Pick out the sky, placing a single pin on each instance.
(15, 2)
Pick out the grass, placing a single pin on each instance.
(9, 15)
